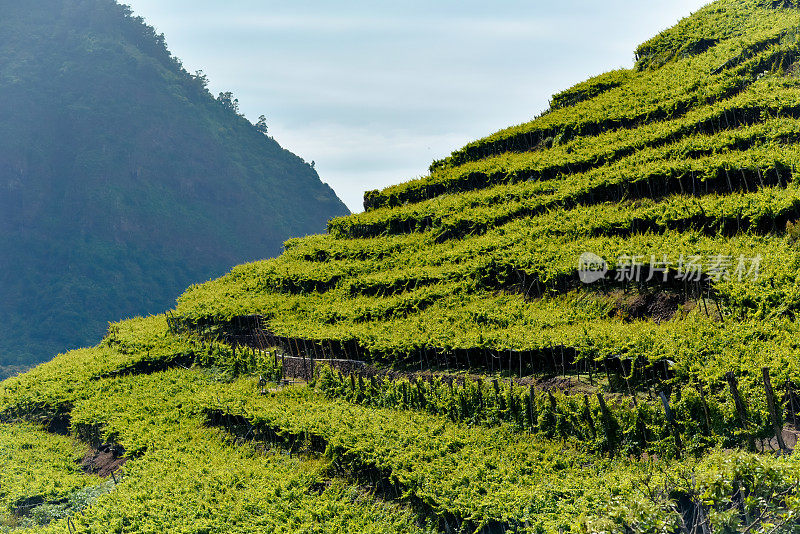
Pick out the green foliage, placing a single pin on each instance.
(693, 152)
(792, 231)
(229, 102)
(38, 468)
(724, 492)
(478, 476)
(706, 130)
(705, 29)
(497, 477)
(262, 126)
(482, 255)
(589, 89)
(213, 485)
(756, 41)
(482, 471)
(623, 427)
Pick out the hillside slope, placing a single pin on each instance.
(584, 323)
(686, 166)
(122, 180)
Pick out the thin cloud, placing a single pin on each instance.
(497, 28)
(373, 91)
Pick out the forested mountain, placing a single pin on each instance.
(122, 179)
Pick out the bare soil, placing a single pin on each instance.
(104, 460)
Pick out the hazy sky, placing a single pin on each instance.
(373, 91)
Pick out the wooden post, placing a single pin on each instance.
(703, 297)
(588, 415)
(671, 421)
(792, 406)
(531, 402)
(310, 355)
(303, 353)
(777, 423)
(741, 409)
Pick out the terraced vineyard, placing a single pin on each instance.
(584, 323)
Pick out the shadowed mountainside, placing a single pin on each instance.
(122, 179)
